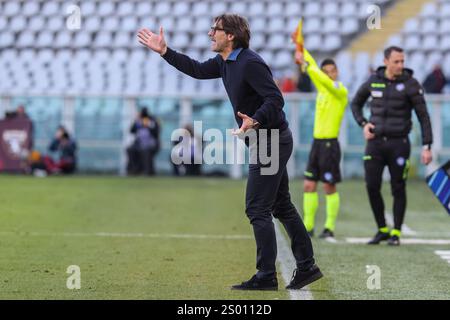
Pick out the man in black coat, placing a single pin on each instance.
(395, 94)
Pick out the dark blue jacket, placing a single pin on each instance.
(66, 148)
(247, 80)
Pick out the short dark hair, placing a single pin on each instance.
(144, 112)
(65, 134)
(238, 26)
(326, 62)
(389, 50)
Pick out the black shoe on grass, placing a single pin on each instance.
(380, 236)
(256, 283)
(326, 233)
(394, 241)
(301, 279)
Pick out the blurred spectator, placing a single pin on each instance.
(19, 113)
(287, 84)
(435, 81)
(62, 144)
(145, 146)
(194, 146)
(304, 82)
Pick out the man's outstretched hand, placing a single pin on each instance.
(153, 41)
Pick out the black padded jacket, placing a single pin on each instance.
(392, 104)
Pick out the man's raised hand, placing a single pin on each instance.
(153, 41)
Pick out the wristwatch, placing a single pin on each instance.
(426, 147)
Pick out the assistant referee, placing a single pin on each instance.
(325, 154)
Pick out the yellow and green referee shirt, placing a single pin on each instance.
(330, 102)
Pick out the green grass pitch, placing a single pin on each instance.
(138, 238)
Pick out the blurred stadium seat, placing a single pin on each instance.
(110, 25)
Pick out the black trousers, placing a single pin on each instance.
(140, 161)
(394, 153)
(267, 196)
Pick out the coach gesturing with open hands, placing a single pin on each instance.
(258, 105)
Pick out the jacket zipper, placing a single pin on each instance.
(385, 105)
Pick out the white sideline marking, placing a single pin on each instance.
(287, 265)
(407, 231)
(284, 247)
(437, 234)
(402, 241)
(130, 235)
(444, 254)
(447, 258)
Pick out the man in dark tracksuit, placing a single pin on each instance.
(395, 93)
(257, 103)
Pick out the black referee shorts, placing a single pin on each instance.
(324, 160)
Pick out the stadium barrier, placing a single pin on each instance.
(100, 124)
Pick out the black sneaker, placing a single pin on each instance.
(311, 233)
(326, 233)
(380, 236)
(394, 241)
(301, 279)
(256, 283)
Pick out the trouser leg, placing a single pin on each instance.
(398, 168)
(261, 194)
(146, 156)
(286, 212)
(373, 167)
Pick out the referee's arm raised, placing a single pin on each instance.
(321, 80)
